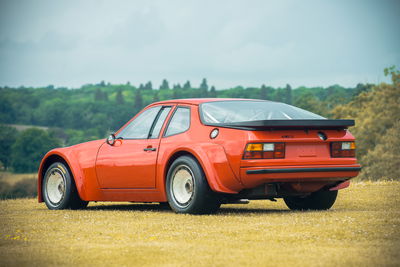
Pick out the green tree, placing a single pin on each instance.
(213, 92)
(105, 96)
(280, 95)
(263, 92)
(377, 128)
(75, 137)
(30, 147)
(360, 87)
(156, 98)
(311, 103)
(203, 88)
(99, 95)
(187, 85)
(119, 98)
(148, 86)
(164, 85)
(7, 113)
(177, 86)
(175, 91)
(288, 94)
(204, 85)
(51, 112)
(138, 105)
(8, 136)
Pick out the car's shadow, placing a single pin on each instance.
(165, 208)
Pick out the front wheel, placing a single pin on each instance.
(320, 200)
(188, 190)
(59, 191)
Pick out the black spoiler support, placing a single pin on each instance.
(287, 124)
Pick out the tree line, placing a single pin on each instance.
(94, 110)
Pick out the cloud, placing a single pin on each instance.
(229, 42)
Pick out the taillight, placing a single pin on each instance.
(343, 149)
(264, 151)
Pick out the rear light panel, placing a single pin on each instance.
(264, 151)
(343, 149)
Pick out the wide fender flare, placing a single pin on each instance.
(216, 167)
(73, 165)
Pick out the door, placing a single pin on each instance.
(131, 161)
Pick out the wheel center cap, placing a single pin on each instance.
(189, 187)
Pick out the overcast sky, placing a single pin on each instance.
(248, 43)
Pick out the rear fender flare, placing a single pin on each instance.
(215, 165)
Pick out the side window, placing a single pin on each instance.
(160, 121)
(139, 128)
(180, 121)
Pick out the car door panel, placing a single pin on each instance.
(131, 162)
(128, 164)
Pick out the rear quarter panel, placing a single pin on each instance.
(210, 154)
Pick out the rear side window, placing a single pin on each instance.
(180, 121)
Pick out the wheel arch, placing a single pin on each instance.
(174, 156)
(45, 164)
(219, 178)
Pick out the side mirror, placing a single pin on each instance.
(111, 139)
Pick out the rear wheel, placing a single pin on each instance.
(188, 190)
(58, 189)
(320, 200)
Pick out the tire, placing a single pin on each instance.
(59, 190)
(188, 190)
(320, 200)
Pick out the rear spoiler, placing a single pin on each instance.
(287, 124)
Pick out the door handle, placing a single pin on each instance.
(150, 149)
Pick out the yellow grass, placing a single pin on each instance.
(362, 229)
(12, 178)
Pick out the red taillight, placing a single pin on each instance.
(343, 149)
(264, 151)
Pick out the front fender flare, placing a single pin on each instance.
(73, 166)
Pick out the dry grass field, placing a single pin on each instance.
(362, 229)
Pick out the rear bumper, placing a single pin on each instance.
(254, 176)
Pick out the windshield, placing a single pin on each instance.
(243, 110)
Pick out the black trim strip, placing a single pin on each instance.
(150, 135)
(296, 170)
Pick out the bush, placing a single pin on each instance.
(5, 190)
(377, 128)
(22, 189)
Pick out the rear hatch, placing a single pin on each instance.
(277, 135)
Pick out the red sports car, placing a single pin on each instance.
(197, 154)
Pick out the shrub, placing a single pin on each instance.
(22, 189)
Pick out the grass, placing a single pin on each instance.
(362, 229)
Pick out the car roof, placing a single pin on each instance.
(197, 101)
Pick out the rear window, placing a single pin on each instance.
(242, 110)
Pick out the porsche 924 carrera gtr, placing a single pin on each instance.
(196, 154)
